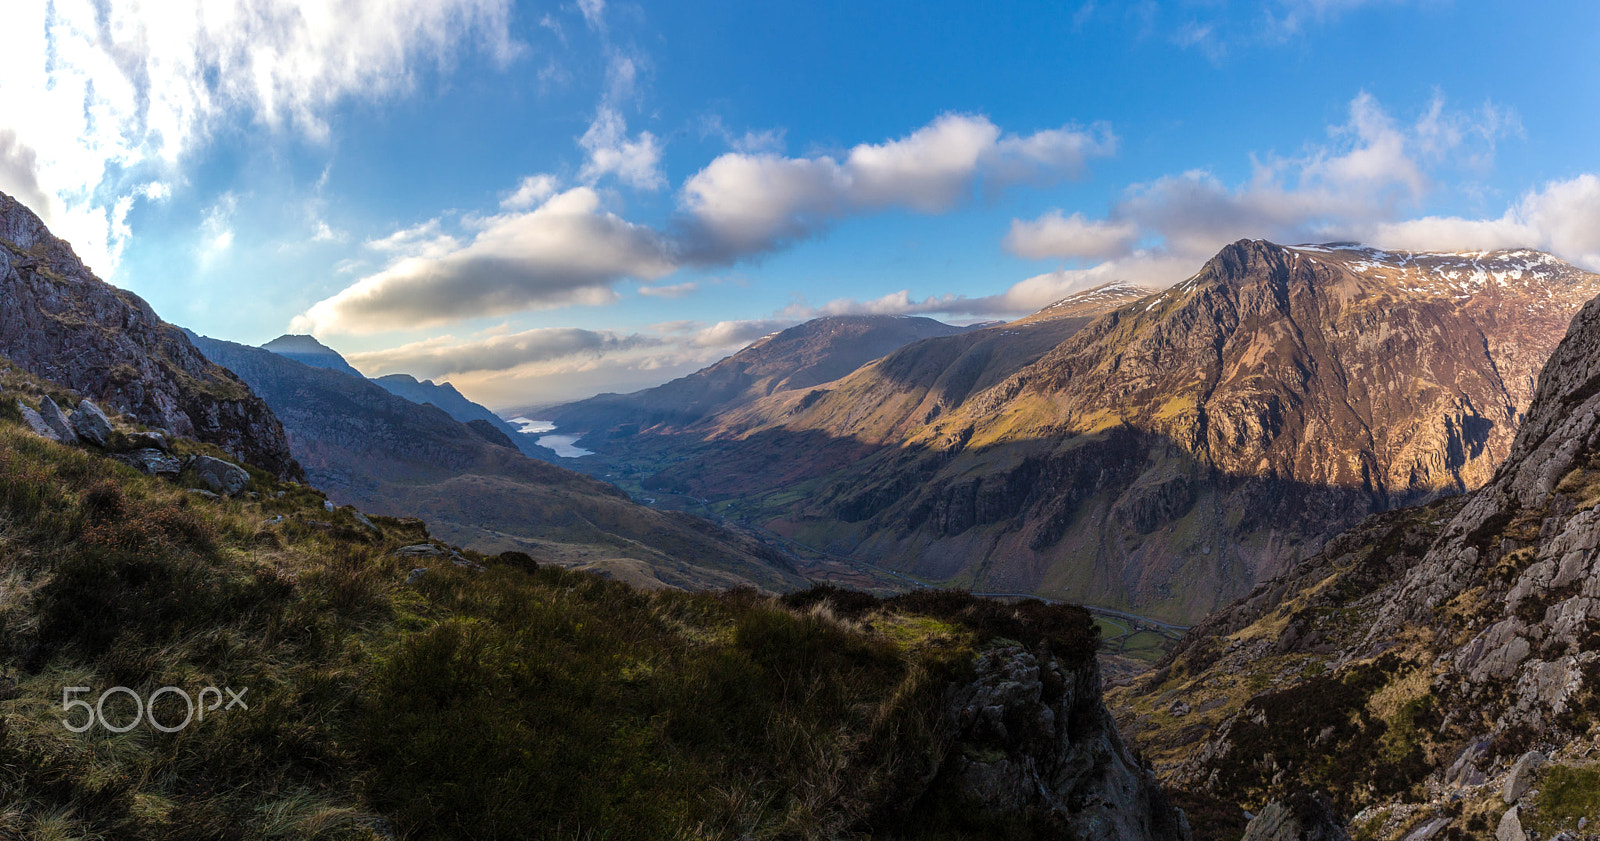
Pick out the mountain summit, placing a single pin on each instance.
(1169, 453)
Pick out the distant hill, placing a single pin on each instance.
(456, 405)
(307, 350)
(809, 354)
(383, 453)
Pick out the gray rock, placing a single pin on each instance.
(1523, 775)
(1303, 817)
(221, 476)
(1510, 828)
(51, 413)
(416, 575)
(36, 423)
(327, 505)
(1429, 830)
(90, 423)
(202, 492)
(151, 461)
(148, 441)
(362, 519)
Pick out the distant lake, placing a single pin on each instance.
(562, 444)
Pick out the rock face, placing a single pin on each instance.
(150, 460)
(1033, 737)
(1179, 448)
(1448, 651)
(1302, 818)
(59, 322)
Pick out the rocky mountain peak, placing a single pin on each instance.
(60, 322)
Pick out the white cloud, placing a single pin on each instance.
(566, 251)
(1562, 217)
(747, 203)
(443, 356)
(107, 94)
(1373, 169)
(533, 190)
(216, 231)
(676, 290)
(611, 152)
(1054, 235)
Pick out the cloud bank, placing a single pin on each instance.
(557, 248)
(99, 99)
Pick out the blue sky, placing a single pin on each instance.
(540, 201)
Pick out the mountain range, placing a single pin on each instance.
(1434, 669)
(1162, 456)
(387, 684)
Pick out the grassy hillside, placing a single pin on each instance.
(488, 699)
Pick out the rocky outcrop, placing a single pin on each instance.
(223, 477)
(1032, 737)
(1435, 667)
(1304, 817)
(60, 322)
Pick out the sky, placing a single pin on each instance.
(542, 201)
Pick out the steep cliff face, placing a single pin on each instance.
(1418, 661)
(1179, 448)
(1032, 737)
(60, 322)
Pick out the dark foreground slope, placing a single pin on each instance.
(1423, 666)
(61, 322)
(492, 698)
(370, 448)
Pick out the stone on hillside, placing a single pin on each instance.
(1303, 817)
(151, 440)
(150, 460)
(36, 423)
(56, 420)
(1510, 828)
(416, 575)
(1522, 775)
(222, 476)
(90, 423)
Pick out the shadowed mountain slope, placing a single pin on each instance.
(383, 453)
(60, 322)
(1412, 667)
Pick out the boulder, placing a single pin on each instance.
(51, 413)
(1510, 828)
(36, 423)
(221, 476)
(1302, 817)
(1522, 776)
(90, 423)
(150, 460)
